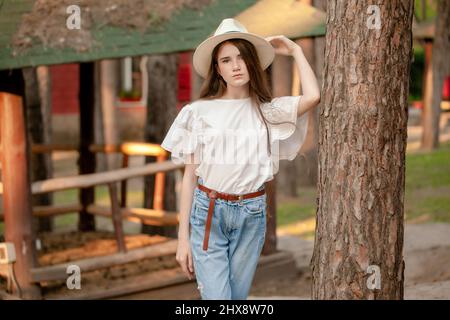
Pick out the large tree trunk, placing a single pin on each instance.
(435, 77)
(161, 111)
(362, 143)
(39, 162)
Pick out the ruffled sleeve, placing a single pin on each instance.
(182, 139)
(286, 139)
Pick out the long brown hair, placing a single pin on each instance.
(215, 86)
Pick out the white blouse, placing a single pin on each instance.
(228, 140)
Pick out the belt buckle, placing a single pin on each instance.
(240, 198)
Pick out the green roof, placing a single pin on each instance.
(184, 31)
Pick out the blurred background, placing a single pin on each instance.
(121, 80)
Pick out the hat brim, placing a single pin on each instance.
(203, 53)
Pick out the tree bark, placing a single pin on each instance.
(362, 143)
(161, 111)
(435, 77)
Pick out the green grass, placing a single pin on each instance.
(428, 169)
(427, 191)
(298, 209)
(427, 187)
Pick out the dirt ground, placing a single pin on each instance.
(63, 247)
(427, 265)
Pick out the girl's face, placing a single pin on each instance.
(231, 66)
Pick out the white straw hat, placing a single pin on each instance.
(230, 29)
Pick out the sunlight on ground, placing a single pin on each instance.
(304, 229)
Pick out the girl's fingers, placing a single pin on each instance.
(273, 37)
(191, 265)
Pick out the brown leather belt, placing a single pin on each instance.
(213, 195)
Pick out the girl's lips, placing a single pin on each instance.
(237, 76)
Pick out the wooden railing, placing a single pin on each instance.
(117, 211)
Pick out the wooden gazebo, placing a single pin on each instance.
(182, 32)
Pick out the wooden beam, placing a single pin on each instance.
(58, 272)
(123, 184)
(116, 217)
(142, 215)
(93, 179)
(52, 210)
(151, 281)
(143, 149)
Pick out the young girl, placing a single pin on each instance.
(231, 140)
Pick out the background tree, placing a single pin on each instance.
(435, 77)
(36, 113)
(362, 143)
(161, 111)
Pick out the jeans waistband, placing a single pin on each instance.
(200, 181)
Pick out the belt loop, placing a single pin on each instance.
(212, 194)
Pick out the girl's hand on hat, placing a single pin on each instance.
(283, 45)
(184, 257)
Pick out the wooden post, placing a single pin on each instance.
(86, 161)
(16, 180)
(117, 217)
(158, 197)
(123, 184)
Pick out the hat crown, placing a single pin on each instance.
(230, 25)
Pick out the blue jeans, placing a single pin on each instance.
(226, 270)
